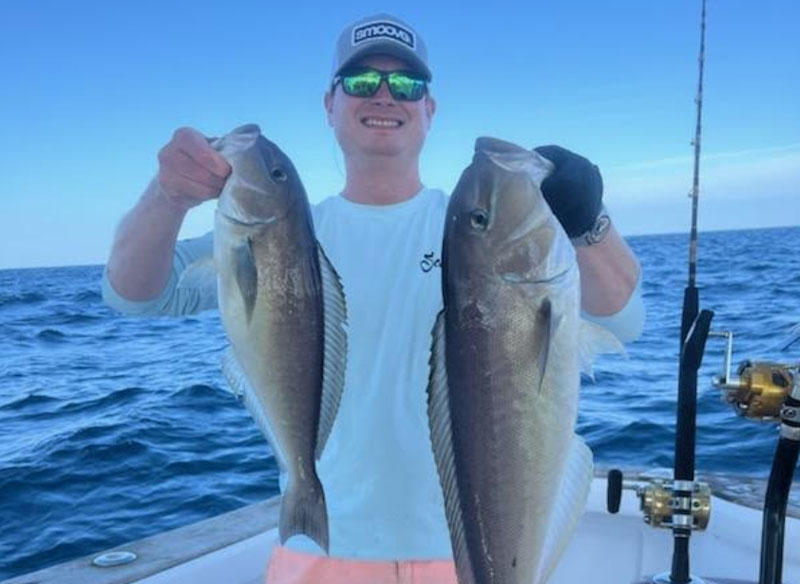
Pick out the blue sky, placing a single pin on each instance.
(91, 90)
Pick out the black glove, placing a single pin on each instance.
(574, 190)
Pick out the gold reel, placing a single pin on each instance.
(760, 388)
(659, 504)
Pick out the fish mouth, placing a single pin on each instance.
(235, 214)
(555, 278)
(253, 223)
(513, 278)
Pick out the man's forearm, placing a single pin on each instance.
(141, 255)
(609, 273)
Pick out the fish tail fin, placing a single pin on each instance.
(568, 507)
(594, 340)
(303, 512)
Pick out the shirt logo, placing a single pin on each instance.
(430, 261)
(386, 30)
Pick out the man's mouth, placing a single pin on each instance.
(372, 122)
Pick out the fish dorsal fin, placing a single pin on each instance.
(246, 274)
(335, 351)
(241, 388)
(573, 491)
(594, 340)
(514, 158)
(442, 442)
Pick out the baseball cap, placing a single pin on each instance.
(381, 34)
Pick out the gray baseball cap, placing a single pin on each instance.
(381, 34)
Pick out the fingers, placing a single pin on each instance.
(179, 165)
(197, 147)
(190, 170)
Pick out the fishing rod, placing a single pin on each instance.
(778, 487)
(794, 337)
(695, 326)
(682, 505)
(764, 391)
(768, 391)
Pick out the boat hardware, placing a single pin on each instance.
(112, 559)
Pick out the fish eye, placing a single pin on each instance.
(479, 219)
(278, 174)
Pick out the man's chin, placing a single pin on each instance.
(385, 148)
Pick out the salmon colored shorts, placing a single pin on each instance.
(290, 567)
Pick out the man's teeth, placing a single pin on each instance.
(381, 123)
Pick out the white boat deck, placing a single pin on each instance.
(614, 549)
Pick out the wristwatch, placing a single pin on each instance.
(596, 233)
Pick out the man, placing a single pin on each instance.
(383, 233)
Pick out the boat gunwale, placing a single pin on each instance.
(168, 549)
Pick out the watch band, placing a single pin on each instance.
(597, 232)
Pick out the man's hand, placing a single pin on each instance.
(574, 190)
(190, 170)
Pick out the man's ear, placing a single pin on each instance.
(328, 101)
(430, 108)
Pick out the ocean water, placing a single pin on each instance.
(115, 428)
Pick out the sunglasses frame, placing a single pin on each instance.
(384, 77)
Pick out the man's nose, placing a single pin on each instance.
(383, 94)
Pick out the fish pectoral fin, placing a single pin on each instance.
(246, 274)
(545, 332)
(200, 275)
(335, 348)
(594, 340)
(442, 441)
(573, 492)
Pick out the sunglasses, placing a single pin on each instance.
(403, 85)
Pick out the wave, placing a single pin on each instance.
(51, 335)
(32, 400)
(113, 399)
(24, 299)
(87, 296)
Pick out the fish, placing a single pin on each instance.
(505, 366)
(283, 308)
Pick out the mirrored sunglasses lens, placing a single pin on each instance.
(406, 88)
(361, 84)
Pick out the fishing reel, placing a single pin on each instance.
(769, 392)
(664, 503)
(760, 388)
(669, 504)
